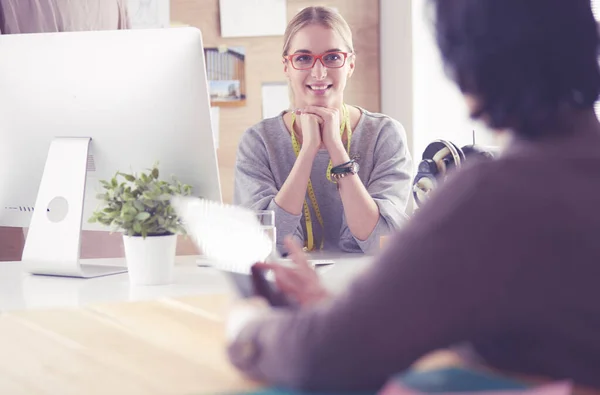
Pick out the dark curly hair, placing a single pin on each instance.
(524, 61)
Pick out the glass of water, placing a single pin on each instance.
(266, 218)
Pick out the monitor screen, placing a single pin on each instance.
(140, 95)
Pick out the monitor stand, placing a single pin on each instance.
(54, 238)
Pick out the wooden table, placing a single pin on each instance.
(167, 346)
(65, 336)
(164, 346)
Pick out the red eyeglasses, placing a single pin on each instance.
(306, 61)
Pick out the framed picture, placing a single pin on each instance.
(225, 69)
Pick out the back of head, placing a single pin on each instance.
(524, 61)
(324, 16)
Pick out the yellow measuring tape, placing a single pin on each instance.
(311, 193)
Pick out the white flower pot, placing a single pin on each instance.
(150, 261)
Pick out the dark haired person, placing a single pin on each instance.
(505, 256)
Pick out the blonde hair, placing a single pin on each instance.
(324, 16)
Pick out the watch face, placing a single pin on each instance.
(355, 168)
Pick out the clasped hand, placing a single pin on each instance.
(320, 126)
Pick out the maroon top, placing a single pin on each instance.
(506, 257)
(38, 16)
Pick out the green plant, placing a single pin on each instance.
(139, 204)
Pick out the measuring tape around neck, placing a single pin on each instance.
(345, 124)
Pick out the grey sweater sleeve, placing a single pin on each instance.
(388, 184)
(413, 300)
(255, 186)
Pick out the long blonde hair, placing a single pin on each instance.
(324, 16)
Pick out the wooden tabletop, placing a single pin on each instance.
(168, 346)
(164, 346)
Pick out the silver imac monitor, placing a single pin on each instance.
(78, 107)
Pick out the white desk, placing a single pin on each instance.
(20, 290)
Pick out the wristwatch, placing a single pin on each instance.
(344, 170)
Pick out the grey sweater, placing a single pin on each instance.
(265, 158)
(505, 256)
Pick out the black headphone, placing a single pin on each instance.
(440, 157)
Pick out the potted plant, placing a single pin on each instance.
(139, 206)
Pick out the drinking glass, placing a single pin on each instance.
(266, 218)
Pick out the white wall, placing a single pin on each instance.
(396, 66)
(396, 63)
(438, 106)
(414, 88)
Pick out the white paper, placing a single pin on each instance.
(275, 98)
(149, 14)
(253, 18)
(229, 235)
(214, 121)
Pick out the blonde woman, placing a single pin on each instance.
(336, 175)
